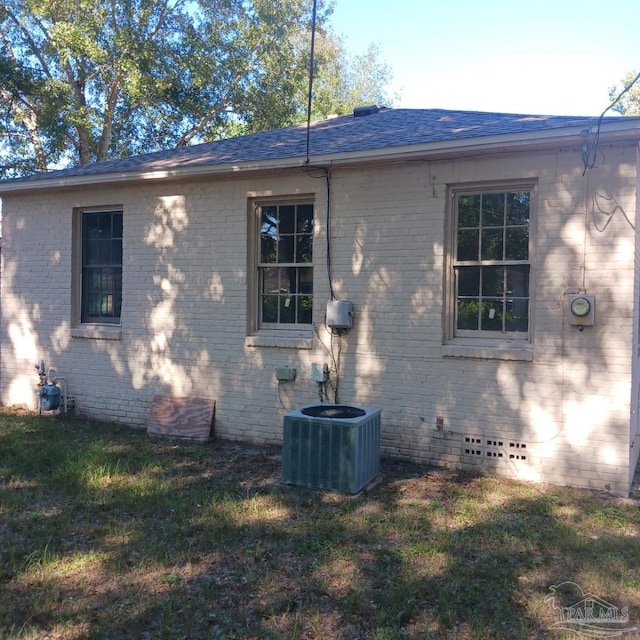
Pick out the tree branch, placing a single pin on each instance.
(35, 48)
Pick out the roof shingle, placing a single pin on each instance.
(384, 129)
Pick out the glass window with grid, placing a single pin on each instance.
(491, 263)
(285, 265)
(101, 266)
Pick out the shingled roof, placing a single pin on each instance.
(368, 130)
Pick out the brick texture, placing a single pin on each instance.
(185, 298)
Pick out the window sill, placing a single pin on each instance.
(502, 351)
(282, 341)
(97, 332)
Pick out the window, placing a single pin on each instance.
(285, 265)
(491, 266)
(101, 271)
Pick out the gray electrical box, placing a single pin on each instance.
(285, 374)
(340, 314)
(319, 372)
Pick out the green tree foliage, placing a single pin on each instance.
(345, 83)
(629, 103)
(87, 80)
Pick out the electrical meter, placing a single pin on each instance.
(581, 310)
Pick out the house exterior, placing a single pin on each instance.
(460, 239)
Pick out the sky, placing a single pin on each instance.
(553, 57)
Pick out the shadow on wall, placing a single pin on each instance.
(178, 277)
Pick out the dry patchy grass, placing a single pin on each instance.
(106, 534)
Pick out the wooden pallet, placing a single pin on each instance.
(188, 419)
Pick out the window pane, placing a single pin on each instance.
(304, 249)
(268, 248)
(287, 309)
(518, 281)
(106, 305)
(285, 249)
(469, 281)
(268, 235)
(269, 221)
(286, 219)
(305, 280)
(94, 304)
(91, 224)
(104, 252)
(104, 224)
(518, 205)
(117, 225)
(94, 280)
(107, 280)
(468, 244)
(493, 281)
(491, 315)
(305, 219)
(493, 210)
(517, 243)
(517, 316)
(90, 253)
(288, 280)
(270, 309)
(469, 211)
(116, 251)
(467, 314)
(305, 309)
(117, 305)
(492, 244)
(270, 281)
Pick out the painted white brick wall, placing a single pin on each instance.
(634, 447)
(185, 307)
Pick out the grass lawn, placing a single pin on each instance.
(107, 534)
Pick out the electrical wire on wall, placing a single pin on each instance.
(607, 207)
(590, 151)
(320, 172)
(331, 385)
(310, 170)
(324, 173)
(585, 233)
(335, 361)
(280, 397)
(595, 202)
(335, 335)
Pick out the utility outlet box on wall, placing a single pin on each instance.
(340, 314)
(285, 374)
(319, 372)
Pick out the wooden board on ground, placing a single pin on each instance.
(189, 419)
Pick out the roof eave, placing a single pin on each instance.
(490, 144)
(462, 146)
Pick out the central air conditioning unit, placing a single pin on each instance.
(328, 446)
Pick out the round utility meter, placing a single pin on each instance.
(580, 307)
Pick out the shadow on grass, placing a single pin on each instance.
(109, 535)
